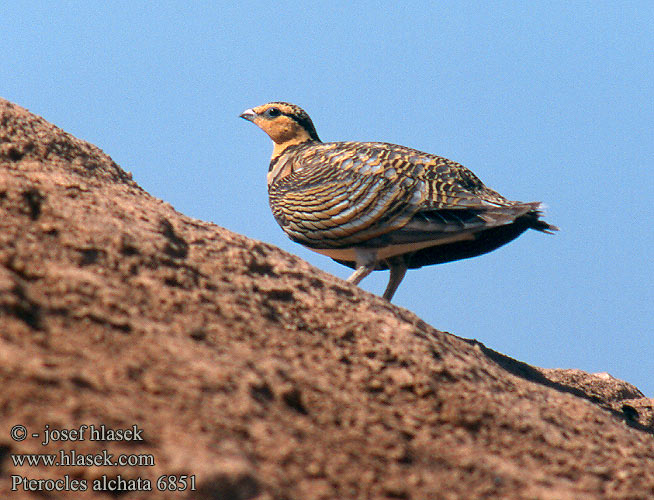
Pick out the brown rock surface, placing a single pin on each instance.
(257, 373)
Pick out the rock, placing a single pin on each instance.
(253, 373)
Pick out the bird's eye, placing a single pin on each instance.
(273, 112)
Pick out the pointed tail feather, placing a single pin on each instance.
(535, 215)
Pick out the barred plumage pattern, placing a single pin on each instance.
(372, 205)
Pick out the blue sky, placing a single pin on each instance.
(549, 101)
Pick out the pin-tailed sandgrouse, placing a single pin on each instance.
(373, 205)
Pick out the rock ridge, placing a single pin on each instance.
(256, 373)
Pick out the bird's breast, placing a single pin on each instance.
(280, 167)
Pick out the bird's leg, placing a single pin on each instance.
(357, 276)
(398, 269)
(366, 261)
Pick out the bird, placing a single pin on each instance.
(376, 206)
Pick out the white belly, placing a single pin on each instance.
(349, 254)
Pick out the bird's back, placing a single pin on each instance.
(371, 194)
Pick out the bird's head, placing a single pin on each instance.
(286, 124)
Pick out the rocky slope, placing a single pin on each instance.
(252, 371)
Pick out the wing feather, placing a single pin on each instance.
(363, 193)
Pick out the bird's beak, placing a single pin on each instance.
(249, 115)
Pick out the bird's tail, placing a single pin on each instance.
(534, 214)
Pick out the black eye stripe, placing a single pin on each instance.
(274, 112)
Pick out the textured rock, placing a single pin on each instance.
(257, 373)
